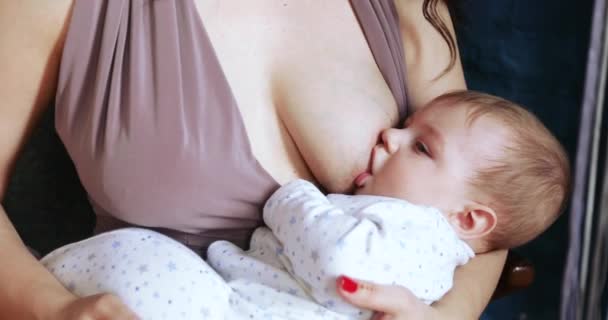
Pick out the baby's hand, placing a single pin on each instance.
(96, 307)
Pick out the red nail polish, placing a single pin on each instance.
(347, 284)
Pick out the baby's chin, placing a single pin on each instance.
(362, 183)
(364, 190)
(358, 191)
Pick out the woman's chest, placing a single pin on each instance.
(306, 84)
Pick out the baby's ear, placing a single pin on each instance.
(474, 221)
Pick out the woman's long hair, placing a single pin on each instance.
(429, 10)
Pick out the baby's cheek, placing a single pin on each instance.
(422, 192)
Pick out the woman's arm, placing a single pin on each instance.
(30, 38)
(473, 286)
(27, 290)
(475, 282)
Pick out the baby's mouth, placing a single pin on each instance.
(361, 178)
(364, 176)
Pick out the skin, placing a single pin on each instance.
(427, 161)
(430, 161)
(273, 65)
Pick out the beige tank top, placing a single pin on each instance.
(152, 126)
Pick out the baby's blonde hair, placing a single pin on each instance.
(528, 185)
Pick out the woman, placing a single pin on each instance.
(292, 83)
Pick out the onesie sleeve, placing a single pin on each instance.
(386, 241)
(311, 228)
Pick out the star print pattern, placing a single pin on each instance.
(142, 268)
(133, 274)
(284, 275)
(380, 239)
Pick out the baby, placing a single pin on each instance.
(467, 174)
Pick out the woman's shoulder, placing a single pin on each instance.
(32, 34)
(40, 20)
(31, 41)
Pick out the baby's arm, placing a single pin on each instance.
(304, 221)
(322, 242)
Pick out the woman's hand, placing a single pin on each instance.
(389, 302)
(102, 306)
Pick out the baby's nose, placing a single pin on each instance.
(390, 139)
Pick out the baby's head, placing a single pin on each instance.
(490, 166)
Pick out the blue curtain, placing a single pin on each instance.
(532, 52)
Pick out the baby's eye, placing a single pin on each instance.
(421, 147)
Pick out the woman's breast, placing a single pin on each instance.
(306, 84)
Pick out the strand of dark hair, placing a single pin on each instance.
(429, 10)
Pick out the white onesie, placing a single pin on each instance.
(290, 270)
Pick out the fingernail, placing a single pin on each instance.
(347, 284)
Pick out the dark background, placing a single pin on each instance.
(533, 52)
(530, 51)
